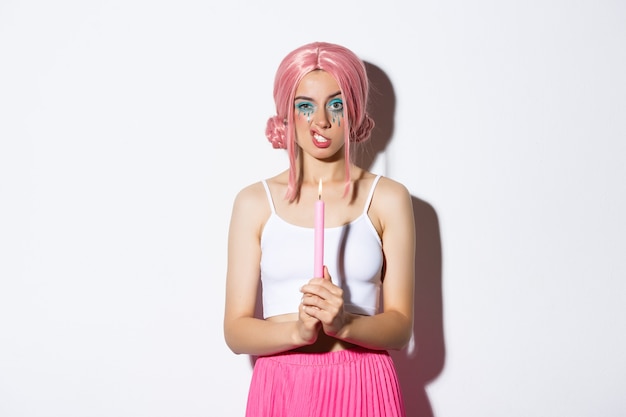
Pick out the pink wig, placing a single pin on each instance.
(349, 72)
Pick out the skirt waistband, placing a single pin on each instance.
(324, 358)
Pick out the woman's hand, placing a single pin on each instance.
(308, 326)
(323, 301)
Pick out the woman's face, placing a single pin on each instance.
(318, 115)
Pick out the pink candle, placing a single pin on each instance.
(318, 252)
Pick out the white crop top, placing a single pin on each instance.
(352, 253)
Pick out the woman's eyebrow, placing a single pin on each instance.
(310, 99)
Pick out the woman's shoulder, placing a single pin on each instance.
(250, 201)
(250, 193)
(251, 208)
(391, 201)
(254, 196)
(388, 188)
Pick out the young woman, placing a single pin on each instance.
(323, 342)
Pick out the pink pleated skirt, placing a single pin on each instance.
(347, 383)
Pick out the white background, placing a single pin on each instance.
(127, 127)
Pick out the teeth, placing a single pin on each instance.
(320, 138)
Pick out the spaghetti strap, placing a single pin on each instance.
(371, 194)
(269, 196)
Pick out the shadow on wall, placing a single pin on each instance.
(381, 107)
(424, 359)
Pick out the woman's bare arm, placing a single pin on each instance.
(244, 333)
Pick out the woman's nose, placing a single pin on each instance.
(320, 118)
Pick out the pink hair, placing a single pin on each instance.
(349, 72)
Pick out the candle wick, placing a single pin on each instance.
(319, 190)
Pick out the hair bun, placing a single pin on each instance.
(364, 131)
(276, 132)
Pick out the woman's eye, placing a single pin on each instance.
(336, 105)
(304, 107)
